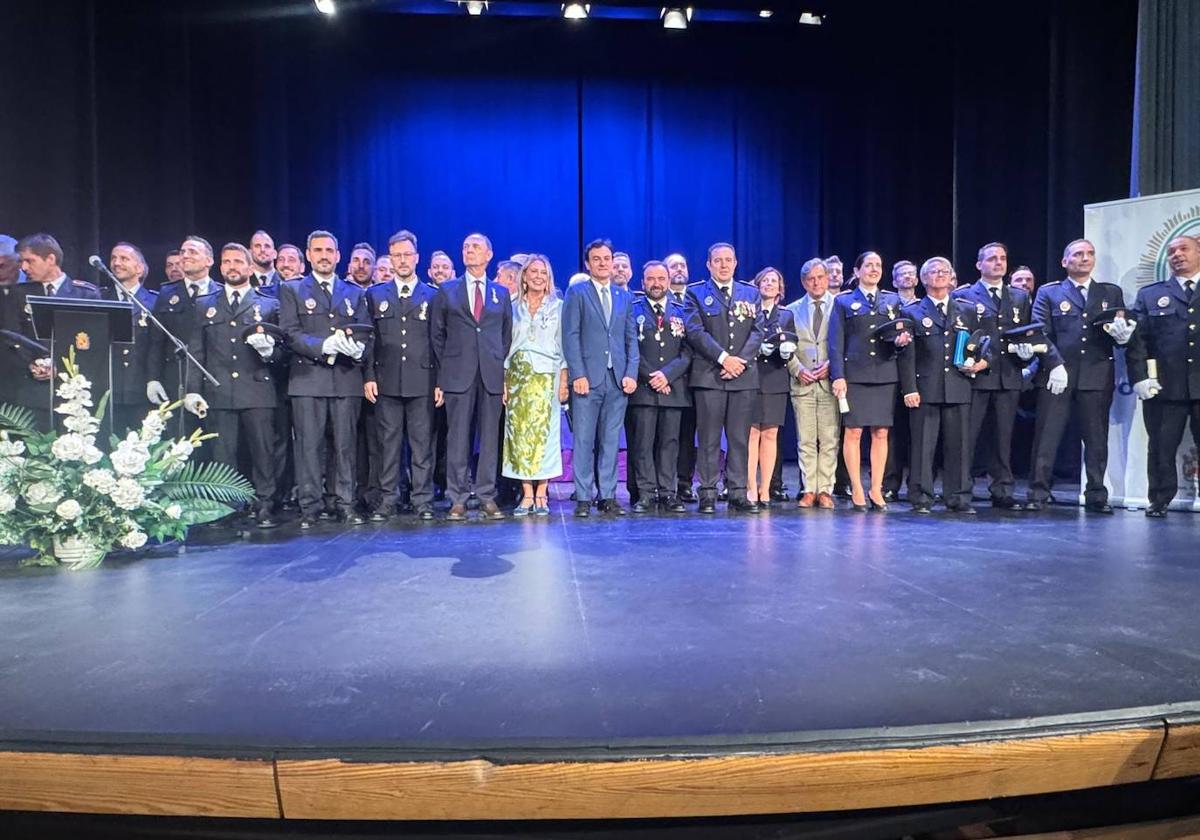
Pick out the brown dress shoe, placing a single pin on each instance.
(491, 510)
(458, 513)
(825, 501)
(807, 500)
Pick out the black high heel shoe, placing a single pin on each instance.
(879, 506)
(856, 506)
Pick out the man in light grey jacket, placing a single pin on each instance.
(817, 420)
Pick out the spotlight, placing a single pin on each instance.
(810, 19)
(474, 7)
(765, 13)
(325, 7)
(576, 11)
(676, 18)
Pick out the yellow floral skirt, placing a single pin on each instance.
(532, 448)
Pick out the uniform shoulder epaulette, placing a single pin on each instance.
(696, 283)
(152, 292)
(638, 295)
(83, 284)
(745, 283)
(844, 292)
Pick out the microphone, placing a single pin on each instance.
(95, 262)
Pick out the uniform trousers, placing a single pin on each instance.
(730, 411)
(654, 449)
(312, 416)
(1002, 405)
(952, 421)
(1165, 422)
(255, 427)
(401, 419)
(1053, 411)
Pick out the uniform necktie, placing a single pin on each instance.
(678, 297)
(477, 310)
(606, 304)
(941, 305)
(658, 315)
(995, 296)
(192, 288)
(1190, 287)
(405, 291)
(871, 299)
(1082, 292)
(47, 288)
(236, 297)
(725, 292)
(818, 317)
(326, 288)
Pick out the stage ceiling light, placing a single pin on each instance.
(576, 11)
(325, 7)
(676, 18)
(474, 7)
(810, 19)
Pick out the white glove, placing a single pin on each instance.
(332, 345)
(195, 404)
(1025, 352)
(264, 344)
(156, 393)
(1120, 329)
(1027, 373)
(355, 349)
(786, 349)
(766, 348)
(1057, 382)
(1147, 389)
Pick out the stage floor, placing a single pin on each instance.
(678, 629)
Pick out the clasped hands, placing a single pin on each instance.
(732, 367)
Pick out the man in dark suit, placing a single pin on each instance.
(677, 268)
(1168, 318)
(996, 391)
(175, 308)
(399, 377)
(129, 360)
(325, 379)
(265, 279)
(600, 346)
(26, 378)
(723, 329)
(655, 408)
(937, 392)
(242, 409)
(471, 332)
(1084, 382)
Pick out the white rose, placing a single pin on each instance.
(127, 494)
(69, 447)
(131, 456)
(10, 447)
(153, 425)
(7, 502)
(182, 449)
(42, 493)
(102, 481)
(174, 511)
(134, 539)
(92, 454)
(68, 509)
(74, 387)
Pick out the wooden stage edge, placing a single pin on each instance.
(901, 769)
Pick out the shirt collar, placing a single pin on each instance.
(471, 278)
(1195, 278)
(202, 286)
(242, 291)
(1087, 284)
(57, 282)
(998, 286)
(600, 285)
(329, 279)
(124, 292)
(723, 286)
(401, 286)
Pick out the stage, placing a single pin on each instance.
(637, 667)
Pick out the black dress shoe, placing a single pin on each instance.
(611, 507)
(583, 510)
(673, 504)
(723, 496)
(780, 496)
(1098, 507)
(326, 516)
(707, 506)
(1035, 505)
(1157, 511)
(1007, 503)
(923, 510)
(744, 506)
(843, 493)
(640, 506)
(687, 494)
(890, 496)
(266, 520)
(351, 517)
(962, 510)
(425, 512)
(380, 515)
(307, 523)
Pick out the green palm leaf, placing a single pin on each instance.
(212, 481)
(15, 417)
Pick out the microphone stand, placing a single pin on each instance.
(181, 350)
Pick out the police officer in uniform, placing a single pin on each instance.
(1084, 382)
(937, 392)
(128, 265)
(325, 379)
(26, 380)
(722, 324)
(399, 378)
(243, 407)
(1168, 321)
(656, 407)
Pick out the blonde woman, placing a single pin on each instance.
(535, 385)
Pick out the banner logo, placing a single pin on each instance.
(1152, 266)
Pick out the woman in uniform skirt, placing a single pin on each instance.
(771, 406)
(863, 367)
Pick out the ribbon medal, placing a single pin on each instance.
(494, 298)
(424, 309)
(349, 308)
(641, 322)
(257, 312)
(677, 327)
(1103, 306)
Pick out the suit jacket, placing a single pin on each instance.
(68, 288)
(854, 354)
(662, 348)
(247, 380)
(1167, 324)
(592, 346)
(129, 358)
(307, 318)
(400, 359)
(20, 387)
(176, 311)
(714, 328)
(927, 364)
(811, 349)
(773, 369)
(464, 349)
(1015, 309)
(1086, 351)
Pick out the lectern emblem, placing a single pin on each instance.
(82, 341)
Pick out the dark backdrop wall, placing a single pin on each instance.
(912, 129)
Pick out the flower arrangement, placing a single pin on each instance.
(63, 496)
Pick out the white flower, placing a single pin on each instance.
(68, 509)
(10, 447)
(75, 387)
(102, 481)
(91, 453)
(131, 456)
(134, 539)
(152, 426)
(42, 493)
(182, 449)
(7, 502)
(83, 423)
(69, 447)
(173, 511)
(127, 494)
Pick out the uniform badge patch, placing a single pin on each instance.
(1065, 306)
(174, 300)
(310, 304)
(927, 322)
(1164, 301)
(383, 306)
(980, 309)
(212, 310)
(708, 301)
(856, 306)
